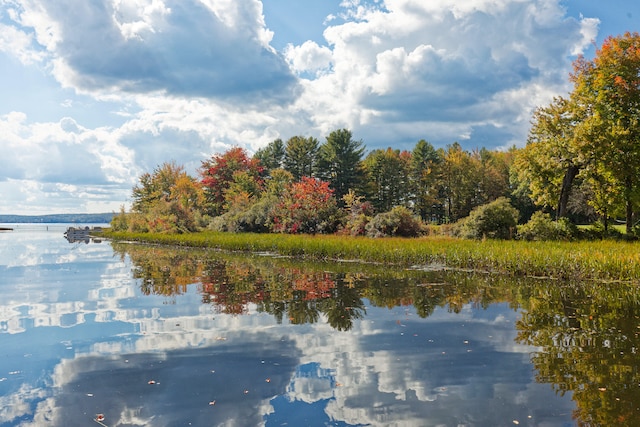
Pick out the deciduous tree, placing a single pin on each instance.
(307, 206)
(607, 89)
(217, 175)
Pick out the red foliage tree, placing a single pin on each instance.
(307, 206)
(217, 175)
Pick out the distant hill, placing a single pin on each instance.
(49, 219)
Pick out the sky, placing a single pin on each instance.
(94, 94)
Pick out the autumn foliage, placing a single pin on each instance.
(218, 172)
(307, 206)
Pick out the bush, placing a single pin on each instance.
(495, 220)
(358, 215)
(255, 218)
(119, 222)
(542, 227)
(399, 221)
(307, 206)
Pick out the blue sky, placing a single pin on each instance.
(96, 93)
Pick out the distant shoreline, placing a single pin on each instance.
(99, 218)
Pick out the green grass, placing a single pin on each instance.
(600, 260)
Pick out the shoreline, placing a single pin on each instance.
(605, 261)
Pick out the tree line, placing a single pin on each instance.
(581, 162)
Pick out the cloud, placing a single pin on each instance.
(182, 48)
(308, 57)
(149, 81)
(446, 62)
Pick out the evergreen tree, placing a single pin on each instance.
(340, 163)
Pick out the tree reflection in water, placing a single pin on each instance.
(587, 334)
(589, 341)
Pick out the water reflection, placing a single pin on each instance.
(589, 339)
(150, 336)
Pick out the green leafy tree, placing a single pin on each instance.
(607, 90)
(340, 162)
(547, 167)
(426, 181)
(459, 177)
(387, 173)
(493, 175)
(301, 156)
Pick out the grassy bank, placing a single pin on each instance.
(601, 260)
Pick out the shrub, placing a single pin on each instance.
(495, 220)
(255, 217)
(358, 215)
(542, 227)
(307, 206)
(399, 221)
(119, 222)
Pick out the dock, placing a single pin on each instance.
(80, 234)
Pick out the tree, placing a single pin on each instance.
(459, 176)
(493, 175)
(607, 90)
(217, 175)
(426, 181)
(307, 206)
(155, 186)
(387, 174)
(547, 166)
(301, 156)
(340, 159)
(168, 199)
(272, 156)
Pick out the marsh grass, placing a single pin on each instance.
(601, 260)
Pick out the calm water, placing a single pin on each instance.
(146, 336)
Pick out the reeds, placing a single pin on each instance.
(601, 260)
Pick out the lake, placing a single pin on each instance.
(131, 335)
